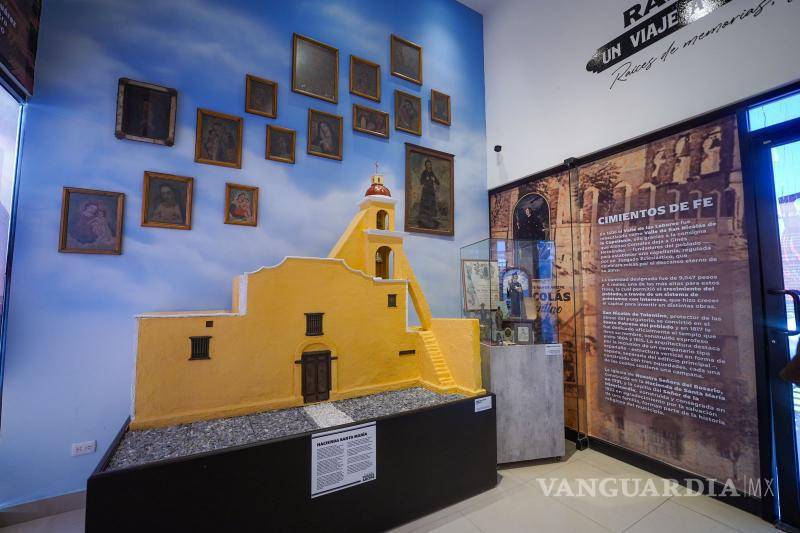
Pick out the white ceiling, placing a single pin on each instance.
(481, 6)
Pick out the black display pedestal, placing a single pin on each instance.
(427, 459)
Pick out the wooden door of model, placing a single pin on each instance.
(316, 376)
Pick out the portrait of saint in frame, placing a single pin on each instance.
(372, 121)
(407, 113)
(365, 78)
(167, 201)
(324, 134)
(430, 191)
(91, 221)
(261, 97)
(440, 107)
(146, 112)
(219, 139)
(406, 59)
(241, 205)
(280, 144)
(315, 69)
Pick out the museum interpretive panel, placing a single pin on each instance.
(654, 240)
(667, 309)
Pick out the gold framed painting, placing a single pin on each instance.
(241, 205)
(218, 139)
(430, 191)
(372, 121)
(146, 112)
(440, 107)
(91, 221)
(406, 58)
(280, 144)
(167, 201)
(365, 78)
(407, 113)
(324, 134)
(315, 68)
(261, 96)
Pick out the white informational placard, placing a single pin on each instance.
(483, 404)
(553, 349)
(342, 458)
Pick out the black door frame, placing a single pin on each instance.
(778, 456)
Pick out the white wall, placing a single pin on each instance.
(543, 106)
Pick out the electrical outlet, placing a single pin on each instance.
(83, 448)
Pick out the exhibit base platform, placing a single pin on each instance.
(529, 383)
(425, 460)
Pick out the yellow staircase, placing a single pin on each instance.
(437, 359)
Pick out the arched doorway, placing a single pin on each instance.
(383, 263)
(316, 376)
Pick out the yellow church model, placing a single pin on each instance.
(306, 330)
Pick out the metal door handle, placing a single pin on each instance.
(795, 295)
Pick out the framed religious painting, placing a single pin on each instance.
(280, 144)
(372, 121)
(241, 205)
(315, 69)
(91, 221)
(430, 191)
(407, 113)
(261, 96)
(218, 139)
(440, 107)
(365, 78)
(324, 134)
(167, 201)
(146, 112)
(406, 59)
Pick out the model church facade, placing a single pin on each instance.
(306, 330)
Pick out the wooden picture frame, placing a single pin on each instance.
(274, 151)
(302, 74)
(252, 84)
(146, 112)
(407, 112)
(205, 149)
(437, 114)
(360, 117)
(174, 210)
(424, 198)
(94, 228)
(356, 86)
(402, 51)
(316, 142)
(231, 214)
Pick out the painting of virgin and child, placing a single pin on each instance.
(91, 221)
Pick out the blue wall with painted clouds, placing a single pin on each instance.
(71, 337)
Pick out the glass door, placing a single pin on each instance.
(10, 120)
(775, 152)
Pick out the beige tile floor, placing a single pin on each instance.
(519, 503)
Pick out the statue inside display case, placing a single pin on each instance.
(513, 279)
(278, 347)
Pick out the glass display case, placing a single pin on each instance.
(507, 284)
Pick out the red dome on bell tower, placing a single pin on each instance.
(377, 188)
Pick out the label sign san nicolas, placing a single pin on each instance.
(650, 30)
